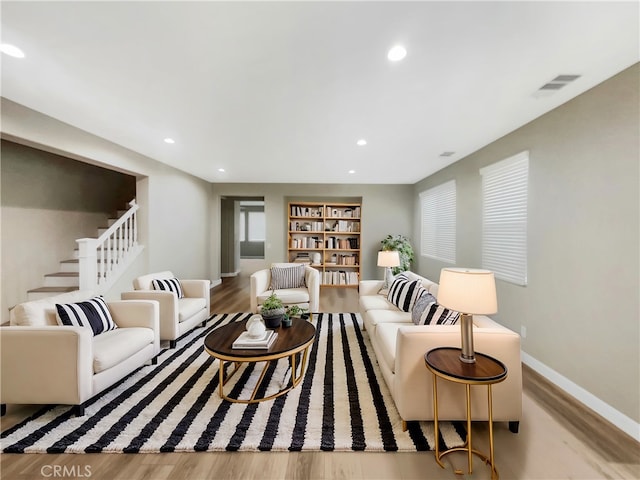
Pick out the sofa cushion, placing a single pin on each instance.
(111, 348)
(288, 296)
(188, 307)
(92, 313)
(287, 277)
(377, 317)
(427, 311)
(168, 285)
(403, 293)
(375, 302)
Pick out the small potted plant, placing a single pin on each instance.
(292, 311)
(272, 311)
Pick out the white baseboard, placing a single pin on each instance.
(230, 274)
(606, 411)
(215, 283)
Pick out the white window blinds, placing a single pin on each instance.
(504, 218)
(438, 205)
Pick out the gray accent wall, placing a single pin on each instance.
(581, 307)
(386, 209)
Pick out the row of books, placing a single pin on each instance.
(338, 226)
(302, 211)
(331, 212)
(247, 342)
(342, 212)
(342, 243)
(344, 226)
(340, 277)
(297, 226)
(306, 242)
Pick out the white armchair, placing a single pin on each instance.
(307, 297)
(177, 315)
(43, 363)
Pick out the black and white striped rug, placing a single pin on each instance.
(341, 404)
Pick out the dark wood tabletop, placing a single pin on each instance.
(220, 340)
(445, 362)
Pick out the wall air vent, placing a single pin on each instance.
(554, 85)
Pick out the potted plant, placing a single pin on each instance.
(402, 245)
(272, 311)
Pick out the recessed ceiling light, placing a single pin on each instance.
(352, 171)
(362, 142)
(11, 50)
(169, 140)
(397, 53)
(221, 169)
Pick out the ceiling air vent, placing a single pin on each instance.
(447, 154)
(555, 85)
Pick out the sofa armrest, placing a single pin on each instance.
(312, 280)
(138, 313)
(42, 365)
(168, 308)
(370, 287)
(259, 284)
(413, 382)
(197, 289)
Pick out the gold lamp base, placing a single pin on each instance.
(466, 334)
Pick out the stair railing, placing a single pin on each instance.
(101, 258)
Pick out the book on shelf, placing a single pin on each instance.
(247, 342)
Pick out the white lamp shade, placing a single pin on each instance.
(468, 290)
(388, 258)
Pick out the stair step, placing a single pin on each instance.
(45, 292)
(73, 264)
(62, 279)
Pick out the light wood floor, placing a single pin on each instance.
(558, 440)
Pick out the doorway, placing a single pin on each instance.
(243, 234)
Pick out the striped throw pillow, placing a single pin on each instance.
(287, 277)
(168, 285)
(427, 311)
(404, 293)
(92, 313)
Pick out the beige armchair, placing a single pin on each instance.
(43, 363)
(177, 315)
(307, 297)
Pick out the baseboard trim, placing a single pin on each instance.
(606, 411)
(215, 283)
(230, 274)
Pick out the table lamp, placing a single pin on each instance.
(388, 259)
(470, 292)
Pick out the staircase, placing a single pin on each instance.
(96, 262)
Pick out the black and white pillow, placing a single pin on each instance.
(92, 313)
(427, 311)
(404, 293)
(287, 277)
(168, 285)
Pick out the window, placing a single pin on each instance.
(438, 205)
(504, 218)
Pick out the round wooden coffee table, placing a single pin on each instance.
(289, 343)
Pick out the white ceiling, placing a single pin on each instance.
(281, 91)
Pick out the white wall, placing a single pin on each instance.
(581, 307)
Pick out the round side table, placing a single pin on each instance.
(444, 362)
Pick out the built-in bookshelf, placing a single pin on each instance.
(327, 236)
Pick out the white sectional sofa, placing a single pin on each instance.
(44, 363)
(400, 346)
